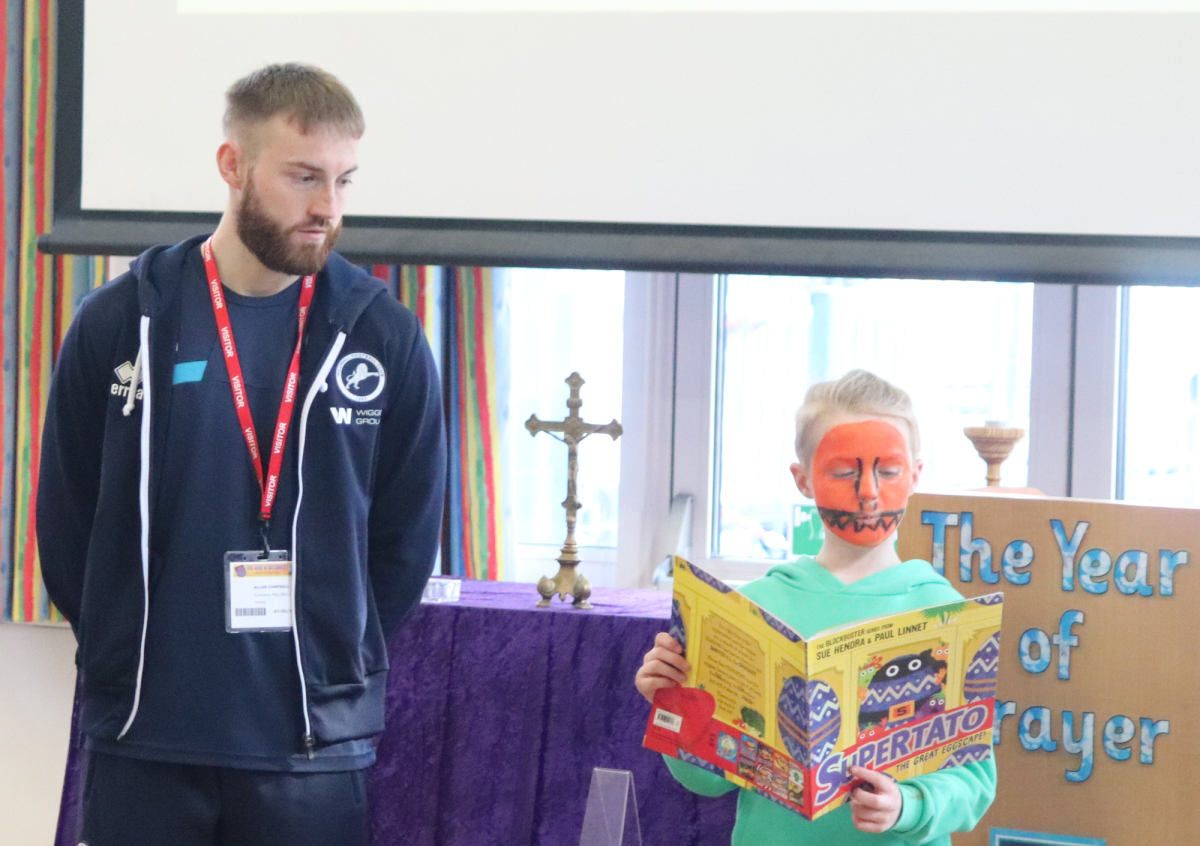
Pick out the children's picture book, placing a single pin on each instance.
(905, 694)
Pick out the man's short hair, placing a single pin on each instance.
(858, 392)
(307, 95)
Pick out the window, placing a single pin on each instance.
(1162, 457)
(705, 374)
(961, 349)
(562, 321)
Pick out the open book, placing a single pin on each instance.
(906, 694)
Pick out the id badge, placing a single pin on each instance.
(258, 591)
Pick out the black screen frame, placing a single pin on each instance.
(1073, 259)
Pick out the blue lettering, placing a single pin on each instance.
(1084, 747)
(900, 741)
(1041, 740)
(883, 754)
(1064, 640)
(1031, 638)
(975, 717)
(1003, 709)
(1167, 562)
(830, 777)
(1068, 548)
(970, 546)
(937, 732)
(939, 520)
(1017, 558)
(1117, 731)
(1151, 730)
(1094, 565)
(865, 755)
(1139, 583)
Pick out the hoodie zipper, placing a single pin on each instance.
(143, 358)
(319, 384)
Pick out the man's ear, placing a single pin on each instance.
(232, 164)
(803, 479)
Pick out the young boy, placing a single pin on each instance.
(857, 445)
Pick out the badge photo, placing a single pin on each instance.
(360, 377)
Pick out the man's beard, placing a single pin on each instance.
(271, 243)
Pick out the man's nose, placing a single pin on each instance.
(326, 205)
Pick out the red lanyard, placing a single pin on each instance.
(240, 401)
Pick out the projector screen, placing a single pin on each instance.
(1054, 118)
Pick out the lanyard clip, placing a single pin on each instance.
(264, 524)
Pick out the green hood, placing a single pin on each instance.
(810, 598)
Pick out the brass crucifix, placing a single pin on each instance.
(573, 430)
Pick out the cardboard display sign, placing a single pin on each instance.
(1098, 684)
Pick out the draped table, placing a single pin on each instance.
(497, 711)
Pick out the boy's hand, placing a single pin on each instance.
(875, 811)
(663, 666)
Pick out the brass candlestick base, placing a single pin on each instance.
(994, 444)
(565, 581)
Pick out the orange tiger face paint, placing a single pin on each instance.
(861, 479)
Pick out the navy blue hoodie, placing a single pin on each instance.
(367, 519)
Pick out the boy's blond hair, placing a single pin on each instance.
(858, 392)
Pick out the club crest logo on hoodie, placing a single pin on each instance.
(360, 377)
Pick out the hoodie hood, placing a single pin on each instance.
(158, 270)
(810, 599)
(804, 573)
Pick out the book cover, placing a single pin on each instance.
(906, 694)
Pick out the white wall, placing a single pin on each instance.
(1022, 122)
(37, 686)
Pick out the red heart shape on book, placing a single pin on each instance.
(693, 707)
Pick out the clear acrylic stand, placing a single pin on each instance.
(611, 818)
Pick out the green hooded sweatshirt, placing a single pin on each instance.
(809, 598)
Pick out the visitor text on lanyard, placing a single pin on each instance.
(268, 485)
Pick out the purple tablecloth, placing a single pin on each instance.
(497, 711)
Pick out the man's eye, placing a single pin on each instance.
(890, 472)
(843, 474)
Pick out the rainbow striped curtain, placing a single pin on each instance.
(474, 535)
(41, 293)
(40, 297)
(461, 310)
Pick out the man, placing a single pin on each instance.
(240, 499)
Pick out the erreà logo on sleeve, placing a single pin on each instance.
(121, 387)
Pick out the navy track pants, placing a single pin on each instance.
(131, 802)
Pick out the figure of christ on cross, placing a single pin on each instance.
(570, 431)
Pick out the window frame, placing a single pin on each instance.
(1073, 403)
(670, 399)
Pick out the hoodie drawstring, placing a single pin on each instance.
(133, 382)
(143, 507)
